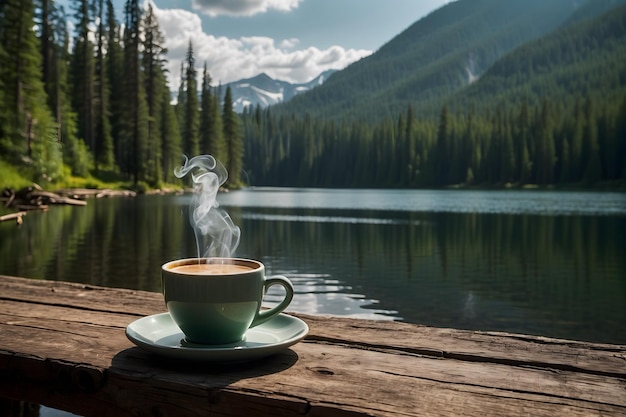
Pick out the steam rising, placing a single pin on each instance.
(215, 232)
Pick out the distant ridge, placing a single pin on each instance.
(437, 57)
(263, 90)
(585, 57)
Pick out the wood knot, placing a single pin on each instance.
(322, 371)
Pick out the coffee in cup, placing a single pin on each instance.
(215, 301)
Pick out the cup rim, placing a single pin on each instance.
(251, 263)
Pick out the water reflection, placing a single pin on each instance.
(556, 275)
(435, 201)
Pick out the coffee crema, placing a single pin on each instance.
(211, 269)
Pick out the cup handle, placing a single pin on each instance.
(264, 315)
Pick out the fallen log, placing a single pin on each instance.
(78, 193)
(17, 216)
(116, 193)
(66, 200)
(31, 207)
(83, 193)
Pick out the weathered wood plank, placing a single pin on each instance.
(63, 345)
(451, 343)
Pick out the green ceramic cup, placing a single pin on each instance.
(215, 301)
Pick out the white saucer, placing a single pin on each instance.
(159, 334)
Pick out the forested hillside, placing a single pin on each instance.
(480, 92)
(553, 112)
(585, 59)
(434, 58)
(103, 105)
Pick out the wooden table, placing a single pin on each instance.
(63, 345)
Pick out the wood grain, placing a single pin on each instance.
(63, 345)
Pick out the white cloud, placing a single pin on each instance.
(233, 59)
(289, 43)
(242, 7)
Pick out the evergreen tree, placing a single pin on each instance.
(155, 83)
(620, 139)
(233, 140)
(475, 158)
(190, 121)
(180, 98)
(82, 75)
(134, 135)
(115, 80)
(593, 166)
(442, 151)
(76, 155)
(211, 128)
(103, 150)
(412, 167)
(46, 41)
(28, 128)
(576, 144)
(522, 153)
(507, 156)
(170, 139)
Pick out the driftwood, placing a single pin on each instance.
(83, 193)
(17, 216)
(35, 198)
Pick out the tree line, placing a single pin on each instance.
(98, 101)
(549, 143)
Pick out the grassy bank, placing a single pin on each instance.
(14, 178)
(10, 177)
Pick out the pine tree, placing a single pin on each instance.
(620, 139)
(155, 83)
(523, 161)
(115, 79)
(170, 139)
(442, 151)
(82, 76)
(135, 117)
(576, 144)
(46, 41)
(180, 99)
(190, 121)
(411, 148)
(103, 150)
(593, 167)
(507, 163)
(211, 128)
(234, 141)
(545, 153)
(28, 128)
(75, 153)
(470, 139)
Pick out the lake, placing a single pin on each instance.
(548, 263)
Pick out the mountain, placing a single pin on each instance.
(437, 57)
(584, 58)
(263, 90)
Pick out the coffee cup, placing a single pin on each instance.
(214, 301)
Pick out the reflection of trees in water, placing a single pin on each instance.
(437, 268)
(529, 271)
(115, 242)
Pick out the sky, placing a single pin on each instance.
(290, 40)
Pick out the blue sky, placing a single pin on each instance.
(291, 40)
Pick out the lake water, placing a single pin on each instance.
(549, 263)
